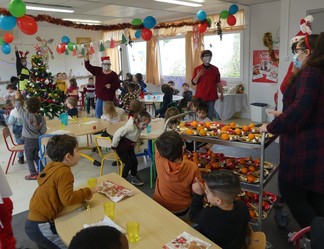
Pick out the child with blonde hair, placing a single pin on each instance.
(112, 113)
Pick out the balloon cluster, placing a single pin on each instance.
(144, 27)
(66, 43)
(229, 14)
(27, 24)
(205, 21)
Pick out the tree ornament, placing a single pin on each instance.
(124, 40)
(91, 49)
(102, 48)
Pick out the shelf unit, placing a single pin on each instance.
(256, 188)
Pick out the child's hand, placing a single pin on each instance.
(198, 187)
(18, 94)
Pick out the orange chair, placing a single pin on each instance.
(11, 146)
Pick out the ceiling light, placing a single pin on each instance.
(82, 21)
(49, 8)
(191, 4)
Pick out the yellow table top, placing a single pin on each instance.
(157, 225)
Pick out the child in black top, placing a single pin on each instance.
(225, 221)
(187, 96)
(167, 99)
(71, 104)
(175, 91)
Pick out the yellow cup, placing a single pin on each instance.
(132, 228)
(109, 208)
(92, 182)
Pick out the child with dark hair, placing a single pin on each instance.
(192, 106)
(73, 89)
(167, 99)
(175, 91)
(71, 104)
(90, 94)
(10, 94)
(129, 77)
(101, 237)
(172, 111)
(138, 79)
(55, 191)
(124, 141)
(202, 112)
(174, 174)
(187, 96)
(225, 221)
(34, 125)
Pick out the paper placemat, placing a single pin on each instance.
(186, 240)
(90, 122)
(60, 132)
(106, 222)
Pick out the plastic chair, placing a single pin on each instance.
(105, 142)
(42, 142)
(296, 238)
(255, 240)
(11, 146)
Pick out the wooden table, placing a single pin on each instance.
(231, 104)
(157, 225)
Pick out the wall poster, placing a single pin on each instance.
(264, 69)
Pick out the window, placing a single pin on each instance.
(173, 61)
(137, 58)
(226, 53)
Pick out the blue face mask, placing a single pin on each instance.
(296, 62)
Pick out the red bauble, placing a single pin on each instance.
(146, 34)
(231, 20)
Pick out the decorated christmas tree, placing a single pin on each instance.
(42, 85)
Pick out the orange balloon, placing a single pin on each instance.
(8, 37)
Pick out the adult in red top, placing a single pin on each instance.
(107, 82)
(207, 78)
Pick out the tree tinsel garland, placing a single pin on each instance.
(114, 27)
(268, 42)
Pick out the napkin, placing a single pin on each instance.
(106, 222)
(60, 132)
(186, 240)
(90, 122)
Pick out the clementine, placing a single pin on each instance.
(238, 131)
(194, 123)
(189, 132)
(182, 124)
(232, 125)
(252, 213)
(244, 170)
(202, 132)
(251, 125)
(251, 136)
(225, 128)
(224, 136)
(250, 178)
(245, 128)
(251, 168)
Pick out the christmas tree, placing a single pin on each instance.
(42, 85)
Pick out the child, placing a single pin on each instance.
(135, 107)
(34, 125)
(123, 91)
(16, 121)
(73, 89)
(11, 92)
(55, 191)
(225, 221)
(111, 113)
(129, 77)
(7, 239)
(101, 237)
(90, 94)
(192, 105)
(71, 104)
(187, 96)
(60, 82)
(202, 112)
(167, 99)
(175, 91)
(133, 93)
(174, 175)
(138, 79)
(172, 111)
(124, 141)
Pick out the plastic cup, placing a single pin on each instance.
(132, 228)
(64, 118)
(109, 208)
(148, 97)
(149, 128)
(92, 182)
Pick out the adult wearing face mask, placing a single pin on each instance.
(22, 70)
(206, 77)
(107, 82)
(301, 128)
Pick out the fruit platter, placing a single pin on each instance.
(247, 168)
(252, 202)
(230, 131)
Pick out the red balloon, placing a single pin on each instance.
(231, 20)
(8, 37)
(146, 34)
(27, 25)
(202, 27)
(60, 48)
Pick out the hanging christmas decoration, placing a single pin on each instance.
(91, 51)
(102, 48)
(74, 51)
(219, 29)
(124, 40)
(112, 43)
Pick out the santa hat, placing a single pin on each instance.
(105, 59)
(305, 29)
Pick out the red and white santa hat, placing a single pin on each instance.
(105, 59)
(305, 29)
